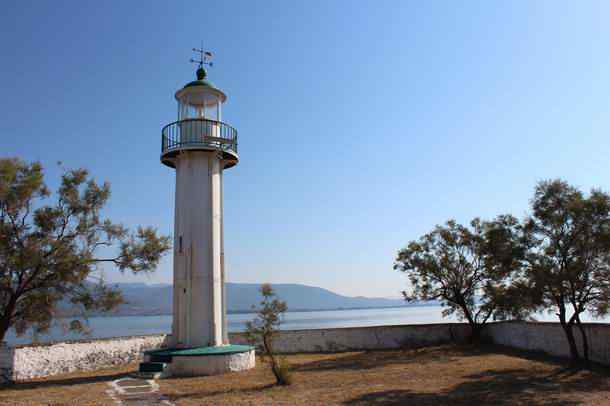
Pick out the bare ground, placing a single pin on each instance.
(445, 375)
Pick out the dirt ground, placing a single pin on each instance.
(445, 375)
(85, 388)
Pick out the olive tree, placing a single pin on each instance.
(568, 256)
(467, 269)
(50, 247)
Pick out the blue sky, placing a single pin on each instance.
(361, 124)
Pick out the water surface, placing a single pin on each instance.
(104, 327)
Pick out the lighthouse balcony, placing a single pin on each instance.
(198, 134)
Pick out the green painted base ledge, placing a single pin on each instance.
(199, 351)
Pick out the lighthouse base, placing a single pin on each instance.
(198, 361)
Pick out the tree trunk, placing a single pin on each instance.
(585, 341)
(475, 335)
(7, 314)
(4, 326)
(275, 365)
(268, 347)
(475, 328)
(567, 328)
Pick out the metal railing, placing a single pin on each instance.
(195, 132)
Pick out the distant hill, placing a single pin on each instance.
(157, 299)
(241, 297)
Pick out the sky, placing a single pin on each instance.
(362, 124)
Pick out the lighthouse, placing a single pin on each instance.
(199, 146)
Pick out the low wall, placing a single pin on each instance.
(35, 361)
(550, 338)
(364, 338)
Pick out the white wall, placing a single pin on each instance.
(364, 338)
(26, 362)
(35, 361)
(550, 338)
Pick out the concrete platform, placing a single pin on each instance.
(198, 361)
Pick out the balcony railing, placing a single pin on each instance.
(198, 132)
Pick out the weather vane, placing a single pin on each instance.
(205, 57)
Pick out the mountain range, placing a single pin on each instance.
(143, 299)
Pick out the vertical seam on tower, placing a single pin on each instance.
(189, 294)
(211, 264)
(223, 292)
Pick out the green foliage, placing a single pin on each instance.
(567, 267)
(557, 259)
(268, 320)
(49, 247)
(466, 268)
(264, 327)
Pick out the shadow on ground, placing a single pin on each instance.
(378, 359)
(63, 382)
(545, 382)
(439, 355)
(499, 387)
(202, 395)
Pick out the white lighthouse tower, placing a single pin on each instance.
(200, 147)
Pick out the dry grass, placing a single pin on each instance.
(83, 388)
(430, 376)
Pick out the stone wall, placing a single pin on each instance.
(364, 338)
(550, 338)
(35, 361)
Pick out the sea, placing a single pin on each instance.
(115, 326)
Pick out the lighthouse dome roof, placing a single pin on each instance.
(201, 85)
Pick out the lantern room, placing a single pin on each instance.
(199, 126)
(200, 99)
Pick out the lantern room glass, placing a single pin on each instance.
(200, 106)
